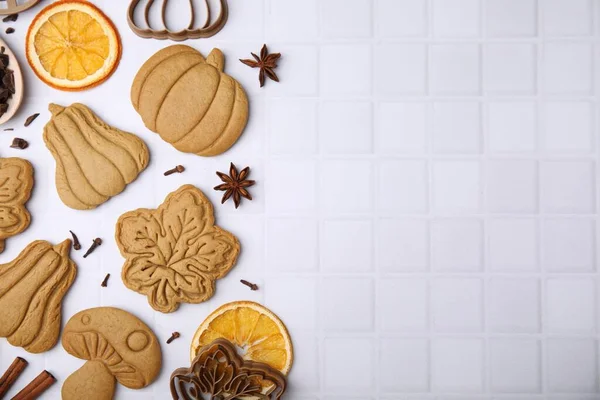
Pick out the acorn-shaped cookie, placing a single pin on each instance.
(189, 101)
(94, 161)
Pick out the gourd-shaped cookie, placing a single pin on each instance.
(189, 101)
(175, 253)
(16, 182)
(32, 287)
(94, 161)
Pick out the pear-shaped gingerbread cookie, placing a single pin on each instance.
(32, 287)
(189, 101)
(94, 161)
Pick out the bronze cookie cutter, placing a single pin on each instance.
(208, 29)
(12, 7)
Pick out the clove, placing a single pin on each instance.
(76, 244)
(174, 336)
(19, 143)
(97, 242)
(105, 281)
(252, 286)
(178, 169)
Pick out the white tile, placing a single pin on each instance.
(454, 69)
(337, 237)
(404, 365)
(457, 365)
(568, 245)
(455, 18)
(456, 127)
(457, 305)
(337, 178)
(567, 186)
(346, 127)
(347, 304)
(400, 69)
(298, 68)
(567, 17)
(511, 18)
(511, 186)
(293, 21)
(291, 185)
(457, 245)
(512, 245)
(345, 18)
(401, 18)
(304, 376)
(509, 68)
(403, 186)
(571, 365)
(292, 126)
(401, 128)
(571, 305)
(567, 68)
(567, 127)
(281, 296)
(513, 305)
(512, 126)
(515, 366)
(292, 244)
(342, 376)
(402, 245)
(456, 186)
(338, 77)
(403, 304)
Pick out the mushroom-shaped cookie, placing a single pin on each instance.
(117, 346)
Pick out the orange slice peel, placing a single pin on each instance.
(72, 45)
(257, 333)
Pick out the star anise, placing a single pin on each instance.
(266, 62)
(235, 185)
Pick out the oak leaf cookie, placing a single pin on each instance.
(117, 345)
(189, 101)
(174, 254)
(32, 287)
(94, 161)
(16, 183)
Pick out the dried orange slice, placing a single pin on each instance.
(258, 334)
(72, 45)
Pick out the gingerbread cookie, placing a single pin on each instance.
(117, 345)
(219, 372)
(175, 253)
(189, 101)
(32, 287)
(16, 183)
(94, 161)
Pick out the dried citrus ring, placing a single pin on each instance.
(72, 45)
(258, 334)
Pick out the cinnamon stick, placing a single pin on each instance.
(11, 375)
(36, 387)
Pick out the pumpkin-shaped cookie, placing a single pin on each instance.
(16, 182)
(94, 161)
(189, 101)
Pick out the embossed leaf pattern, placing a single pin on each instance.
(16, 183)
(175, 253)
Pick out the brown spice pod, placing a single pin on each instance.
(208, 29)
(12, 7)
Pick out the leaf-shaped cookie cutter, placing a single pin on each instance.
(12, 7)
(208, 29)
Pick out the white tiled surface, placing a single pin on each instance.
(425, 220)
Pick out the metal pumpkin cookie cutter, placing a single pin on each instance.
(208, 29)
